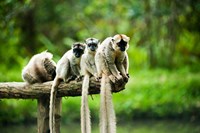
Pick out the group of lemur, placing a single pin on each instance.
(107, 62)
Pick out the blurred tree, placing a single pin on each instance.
(162, 29)
(26, 22)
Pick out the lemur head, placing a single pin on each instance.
(46, 54)
(78, 49)
(92, 44)
(120, 42)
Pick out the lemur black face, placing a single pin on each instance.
(78, 52)
(78, 49)
(122, 45)
(92, 43)
(92, 46)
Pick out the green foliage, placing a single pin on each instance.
(17, 111)
(160, 94)
(162, 34)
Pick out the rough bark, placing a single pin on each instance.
(22, 90)
(43, 114)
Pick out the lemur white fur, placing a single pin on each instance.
(40, 68)
(88, 68)
(68, 68)
(112, 65)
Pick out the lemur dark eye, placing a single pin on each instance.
(92, 44)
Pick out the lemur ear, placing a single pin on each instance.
(112, 39)
(84, 45)
(125, 38)
(87, 40)
(98, 42)
(128, 38)
(72, 46)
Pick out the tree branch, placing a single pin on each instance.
(24, 91)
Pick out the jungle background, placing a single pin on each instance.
(164, 54)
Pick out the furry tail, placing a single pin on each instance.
(107, 113)
(52, 105)
(85, 112)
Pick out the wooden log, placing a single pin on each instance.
(24, 91)
(43, 114)
(42, 93)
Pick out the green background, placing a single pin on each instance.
(164, 53)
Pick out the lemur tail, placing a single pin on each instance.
(85, 112)
(107, 113)
(55, 84)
